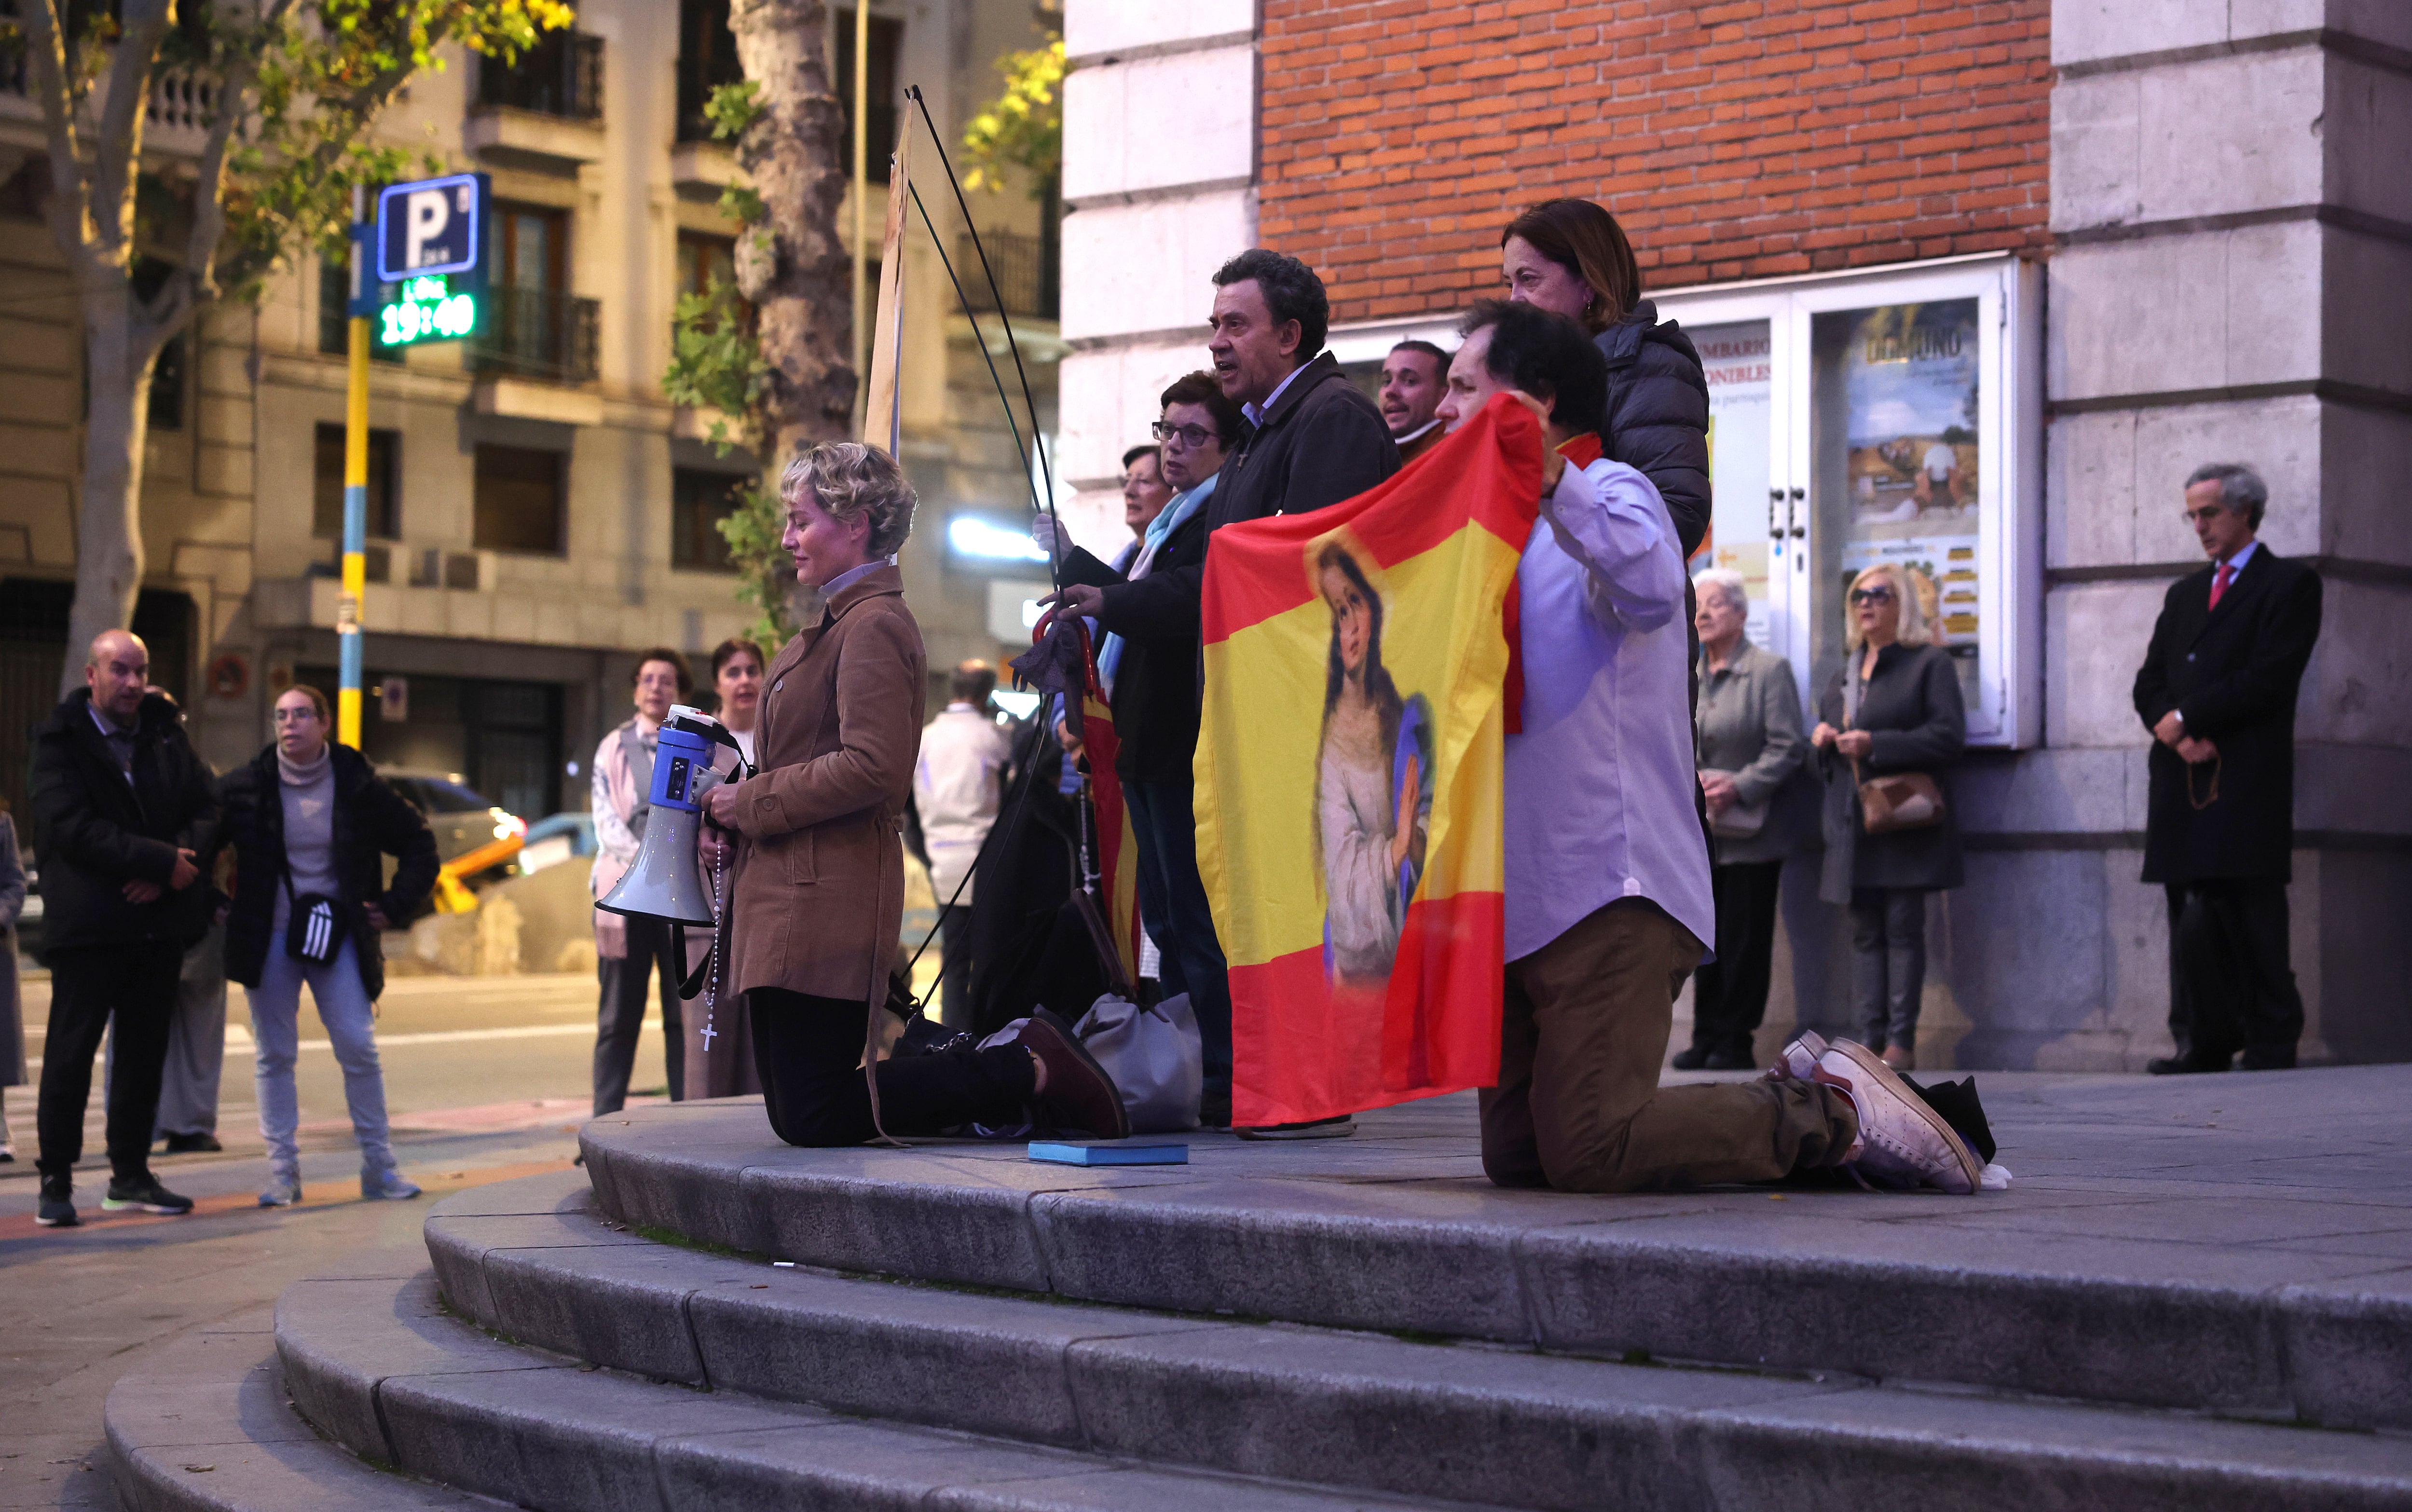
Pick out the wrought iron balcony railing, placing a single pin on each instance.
(561, 76)
(1028, 273)
(538, 333)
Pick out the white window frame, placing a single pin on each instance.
(2009, 710)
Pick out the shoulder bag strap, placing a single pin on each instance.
(1852, 662)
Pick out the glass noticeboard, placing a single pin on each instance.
(1888, 414)
(1735, 360)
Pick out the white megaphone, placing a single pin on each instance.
(663, 884)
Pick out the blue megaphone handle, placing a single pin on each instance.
(679, 759)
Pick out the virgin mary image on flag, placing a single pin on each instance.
(1350, 779)
(1372, 777)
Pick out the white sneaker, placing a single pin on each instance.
(284, 1189)
(1903, 1142)
(1798, 1061)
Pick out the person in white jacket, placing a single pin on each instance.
(1607, 901)
(958, 784)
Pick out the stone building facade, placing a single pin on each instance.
(539, 511)
(2058, 251)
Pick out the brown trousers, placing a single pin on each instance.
(1579, 1106)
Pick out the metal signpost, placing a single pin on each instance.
(419, 275)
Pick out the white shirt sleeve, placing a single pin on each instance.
(1609, 516)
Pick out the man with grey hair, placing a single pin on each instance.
(2218, 692)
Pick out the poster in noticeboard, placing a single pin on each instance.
(1909, 382)
(1735, 361)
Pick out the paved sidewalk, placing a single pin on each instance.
(77, 1306)
(2241, 1181)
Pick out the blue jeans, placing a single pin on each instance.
(349, 1018)
(1172, 904)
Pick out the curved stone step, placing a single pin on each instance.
(384, 1369)
(203, 1425)
(1467, 1421)
(2097, 1288)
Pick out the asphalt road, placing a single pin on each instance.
(461, 1055)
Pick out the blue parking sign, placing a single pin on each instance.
(432, 227)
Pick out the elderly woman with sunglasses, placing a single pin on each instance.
(1893, 707)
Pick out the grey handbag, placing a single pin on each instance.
(1154, 1057)
(1740, 821)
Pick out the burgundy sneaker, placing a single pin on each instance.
(1078, 1095)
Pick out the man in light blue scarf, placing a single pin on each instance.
(1159, 530)
(1149, 663)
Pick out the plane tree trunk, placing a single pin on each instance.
(793, 266)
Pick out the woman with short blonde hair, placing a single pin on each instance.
(816, 898)
(1914, 628)
(849, 482)
(1893, 707)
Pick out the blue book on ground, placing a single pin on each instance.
(1110, 1151)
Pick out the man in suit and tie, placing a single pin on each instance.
(2218, 691)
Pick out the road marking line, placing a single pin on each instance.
(246, 1046)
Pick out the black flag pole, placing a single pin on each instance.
(1046, 471)
(1041, 477)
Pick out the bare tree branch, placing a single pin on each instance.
(196, 284)
(117, 147)
(45, 49)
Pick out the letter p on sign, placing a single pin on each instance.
(425, 216)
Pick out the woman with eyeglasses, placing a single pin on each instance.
(1149, 670)
(311, 824)
(1893, 707)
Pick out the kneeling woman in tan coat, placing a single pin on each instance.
(818, 895)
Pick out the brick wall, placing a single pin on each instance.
(1735, 140)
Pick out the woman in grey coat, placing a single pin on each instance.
(1902, 714)
(1750, 749)
(12, 1007)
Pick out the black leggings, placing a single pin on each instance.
(809, 1051)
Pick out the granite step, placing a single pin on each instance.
(1467, 1420)
(384, 1369)
(2287, 1301)
(203, 1424)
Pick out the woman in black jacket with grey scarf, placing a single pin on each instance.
(1892, 708)
(311, 824)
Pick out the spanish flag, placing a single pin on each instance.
(1115, 847)
(1348, 778)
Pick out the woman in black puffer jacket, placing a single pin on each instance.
(309, 821)
(1570, 257)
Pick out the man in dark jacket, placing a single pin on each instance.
(2218, 691)
(1314, 438)
(310, 820)
(1151, 680)
(124, 811)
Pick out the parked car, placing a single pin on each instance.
(463, 819)
(557, 838)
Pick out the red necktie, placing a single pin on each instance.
(2219, 581)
